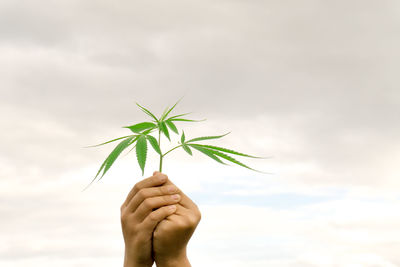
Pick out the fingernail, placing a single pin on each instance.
(163, 178)
(176, 197)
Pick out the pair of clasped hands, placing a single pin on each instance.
(157, 222)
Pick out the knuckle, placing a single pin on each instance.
(197, 213)
(156, 235)
(166, 199)
(195, 218)
(136, 187)
(162, 228)
(170, 189)
(153, 216)
(124, 218)
(142, 193)
(185, 223)
(192, 220)
(162, 190)
(148, 203)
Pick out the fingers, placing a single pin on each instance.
(157, 216)
(144, 193)
(185, 200)
(148, 199)
(150, 204)
(155, 180)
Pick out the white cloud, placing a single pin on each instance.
(336, 233)
(58, 221)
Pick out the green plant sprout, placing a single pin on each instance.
(142, 136)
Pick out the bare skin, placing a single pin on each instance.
(172, 234)
(157, 221)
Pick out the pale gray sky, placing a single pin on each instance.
(313, 83)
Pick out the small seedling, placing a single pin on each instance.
(142, 136)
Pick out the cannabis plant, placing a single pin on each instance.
(142, 135)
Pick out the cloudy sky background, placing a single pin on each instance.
(312, 83)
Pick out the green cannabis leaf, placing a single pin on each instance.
(142, 135)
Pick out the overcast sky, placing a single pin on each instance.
(314, 84)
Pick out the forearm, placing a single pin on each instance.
(129, 261)
(180, 261)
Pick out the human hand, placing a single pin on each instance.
(172, 234)
(149, 202)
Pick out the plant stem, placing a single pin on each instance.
(159, 145)
(171, 150)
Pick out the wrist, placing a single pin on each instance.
(177, 261)
(131, 261)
